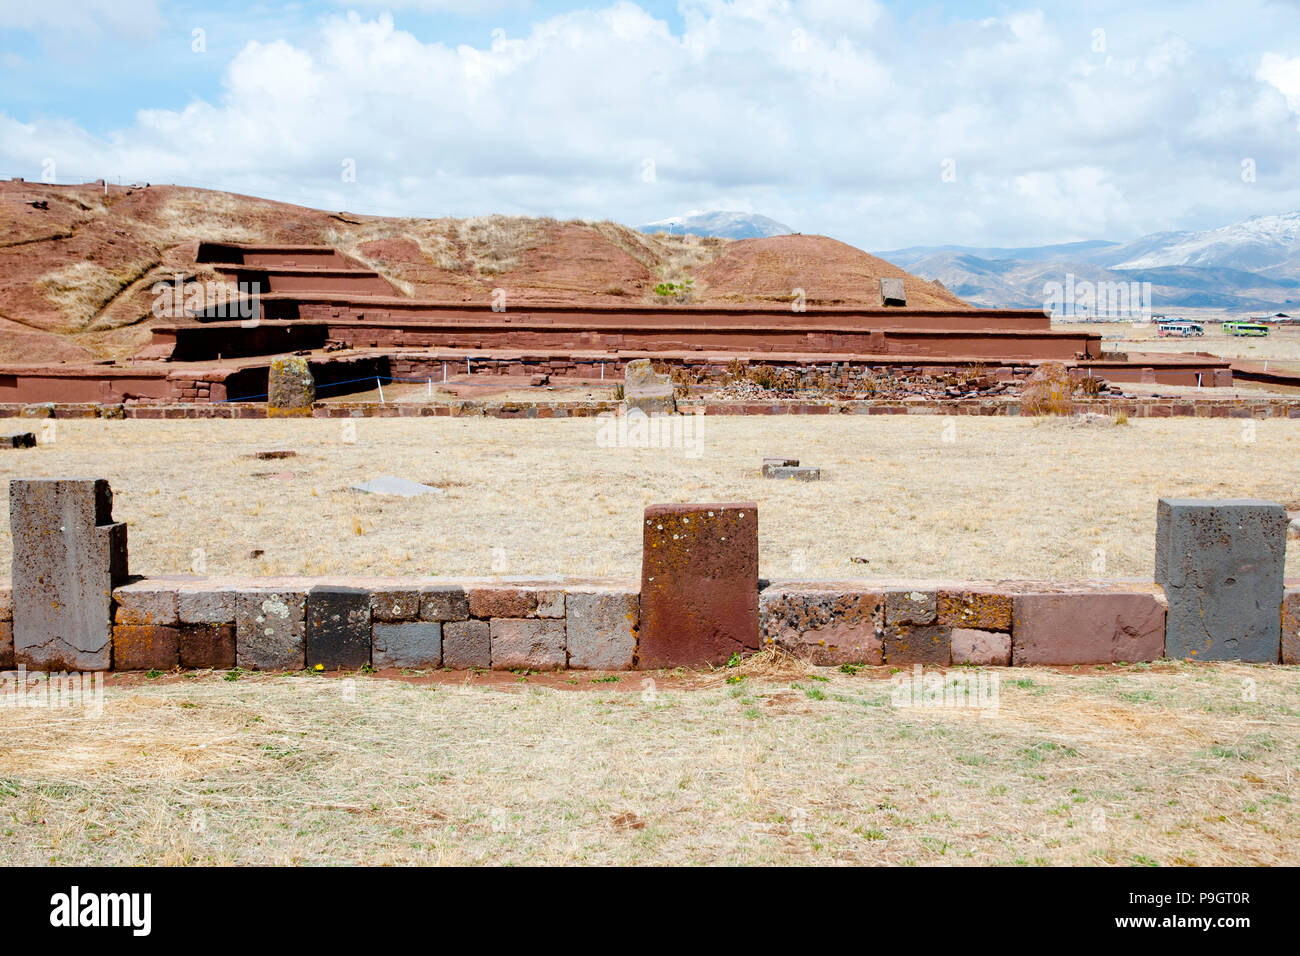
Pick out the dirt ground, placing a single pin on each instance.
(924, 496)
(1280, 349)
(1166, 764)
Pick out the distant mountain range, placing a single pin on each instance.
(727, 225)
(1252, 265)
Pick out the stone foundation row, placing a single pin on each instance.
(332, 624)
(1218, 594)
(1134, 408)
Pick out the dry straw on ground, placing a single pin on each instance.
(923, 496)
(1169, 764)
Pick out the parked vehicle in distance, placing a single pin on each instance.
(1179, 328)
(1245, 328)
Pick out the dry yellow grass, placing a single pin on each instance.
(1170, 765)
(1005, 498)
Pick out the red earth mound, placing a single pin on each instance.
(829, 272)
(78, 263)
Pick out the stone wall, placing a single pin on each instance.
(344, 623)
(700, 602)
(1252, 408)
(265, 624)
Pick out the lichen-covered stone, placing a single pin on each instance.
(444, 602)
(699, 584)
(290, 387)
(824, 627)
(269, 629)
(337, 635)
(395, 603)
(974, 609)
(911, 606)
(205, 604)
(917, 644)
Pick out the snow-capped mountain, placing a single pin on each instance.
(1257, 244)
(1249, 265)
(727, 225)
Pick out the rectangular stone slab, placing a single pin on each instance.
(466, 644)
(269, 625)
(1220, 562)
(824, 627)
(1291, 628)
(528, 644)
(445, 602)
(146, 602)
(1100, 627)
(144, 647)
(207, 645)
(68, 555)
(6, 645)
(699, 584)
(407, 644)
(338, 628)
(917, 643)
(602, 629)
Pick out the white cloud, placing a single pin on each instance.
(832, 117)
(1283, 73)
(81, 16)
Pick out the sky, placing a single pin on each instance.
(882, 124)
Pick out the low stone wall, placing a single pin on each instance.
(294, 623)
(1218, 594)
(333, 623)
(1253, 408)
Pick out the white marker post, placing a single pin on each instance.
(380, 385)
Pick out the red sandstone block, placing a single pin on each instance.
(970, 646)
(498, 601)
(6, 645)
(1291, 628)
(207, 645)
(699, 584)
(145, 647)
(1087, 628)
(528, 644)
(918, 644)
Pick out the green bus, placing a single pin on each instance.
(1245, 328)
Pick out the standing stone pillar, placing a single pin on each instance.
(290, 388)
(699, 584)
(68, 556)
(1220, 562)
